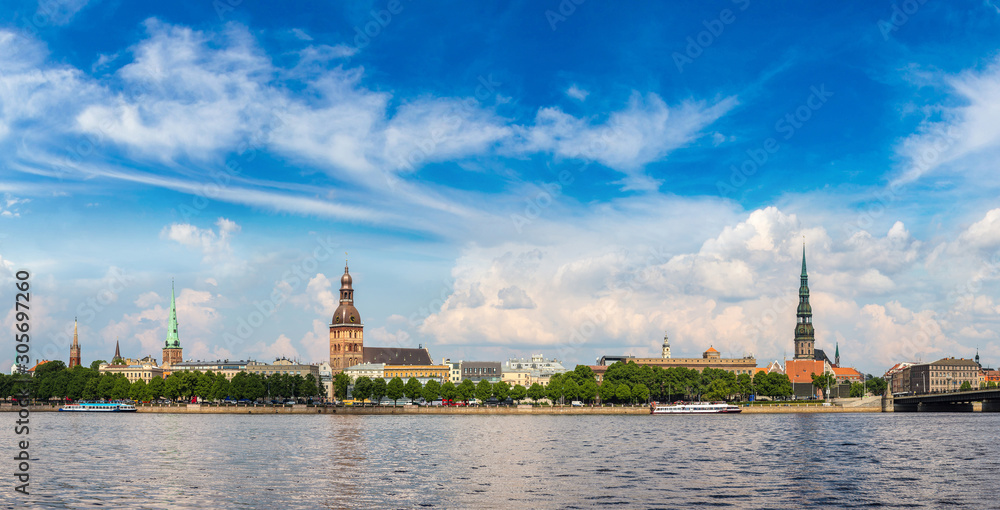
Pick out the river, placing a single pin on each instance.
(330, 461)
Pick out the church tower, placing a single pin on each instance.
(666, 347)
(804, 338)
(346, 330)
(172, 352)
(74, 350)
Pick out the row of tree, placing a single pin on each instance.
(53, 380)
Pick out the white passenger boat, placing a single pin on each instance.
(693, 408)
(87, 407)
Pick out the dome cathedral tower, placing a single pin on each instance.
(346, 329)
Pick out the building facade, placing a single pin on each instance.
(282, 366)
(943, 375)
(225, 367)
(145, 372)
(422, 373)
(172, 351)
(369, 370)
(347, 332)
(481, 370)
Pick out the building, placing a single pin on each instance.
(537, 364)
(422, 373)
(172, 351)
(74, 350)
(897, 378)
(454, 370)
(847, 375)
(517, 376)
(144, 372)
(225, 367)
(282, 366)
(711, 358)
(804, 335)
(369, 370)
(481, 370)
(800, 372)
(943, 375)
(398, 355)
(326, 378)
(347, 332)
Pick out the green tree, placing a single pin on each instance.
(466, 390)
(719, 389)
(554, 390)
(449, 391)
(154, 390)
(991, 385)
(106, 386)
(379, 389)
(857, 390)
(138, 390)
(876, 385)
(203, 388)
(824, 381)
(588, 391)
(172, 386)
(583, 373)
(640, 393)
(744, 386)
(536, 392)
(121, 388)
(308, 387)
(608, 391)
(518, 393)
(432, 390)
(413, 389)
(501, 391)
(94, 365)
(92, 389)
(395, 389)
(484, 390)
(623, 393)
(966, 386)
(341, 382)
(221, 388)
(362, 389)
(571, 390)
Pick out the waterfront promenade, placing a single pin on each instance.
(415, 410)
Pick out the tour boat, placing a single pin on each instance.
(99, 408)
(693, 408)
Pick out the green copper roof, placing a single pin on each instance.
(803, 260)
(172, 340)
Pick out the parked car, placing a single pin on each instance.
(577, 403)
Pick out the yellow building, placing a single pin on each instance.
(515, 377)
(133, 373)
(422, 372)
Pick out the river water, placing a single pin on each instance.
(329, 461)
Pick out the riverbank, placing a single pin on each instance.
(415, 410)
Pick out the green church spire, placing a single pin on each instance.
(804, 275)
(172, 339)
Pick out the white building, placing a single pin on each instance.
(369, 370)
(538, 365)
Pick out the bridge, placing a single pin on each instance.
(959, 401)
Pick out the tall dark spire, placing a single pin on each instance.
(805, 341)
(118, 356)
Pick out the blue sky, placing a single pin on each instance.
(534, 177)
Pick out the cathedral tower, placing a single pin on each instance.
(804, 339)
(666, 347)
(346, 330)
(172, 352)
(74, 350)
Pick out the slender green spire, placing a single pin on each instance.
(804, 275)
(172, 339)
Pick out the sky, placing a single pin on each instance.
(568, 178)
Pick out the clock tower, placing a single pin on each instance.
(804, 338)
(346, 330)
